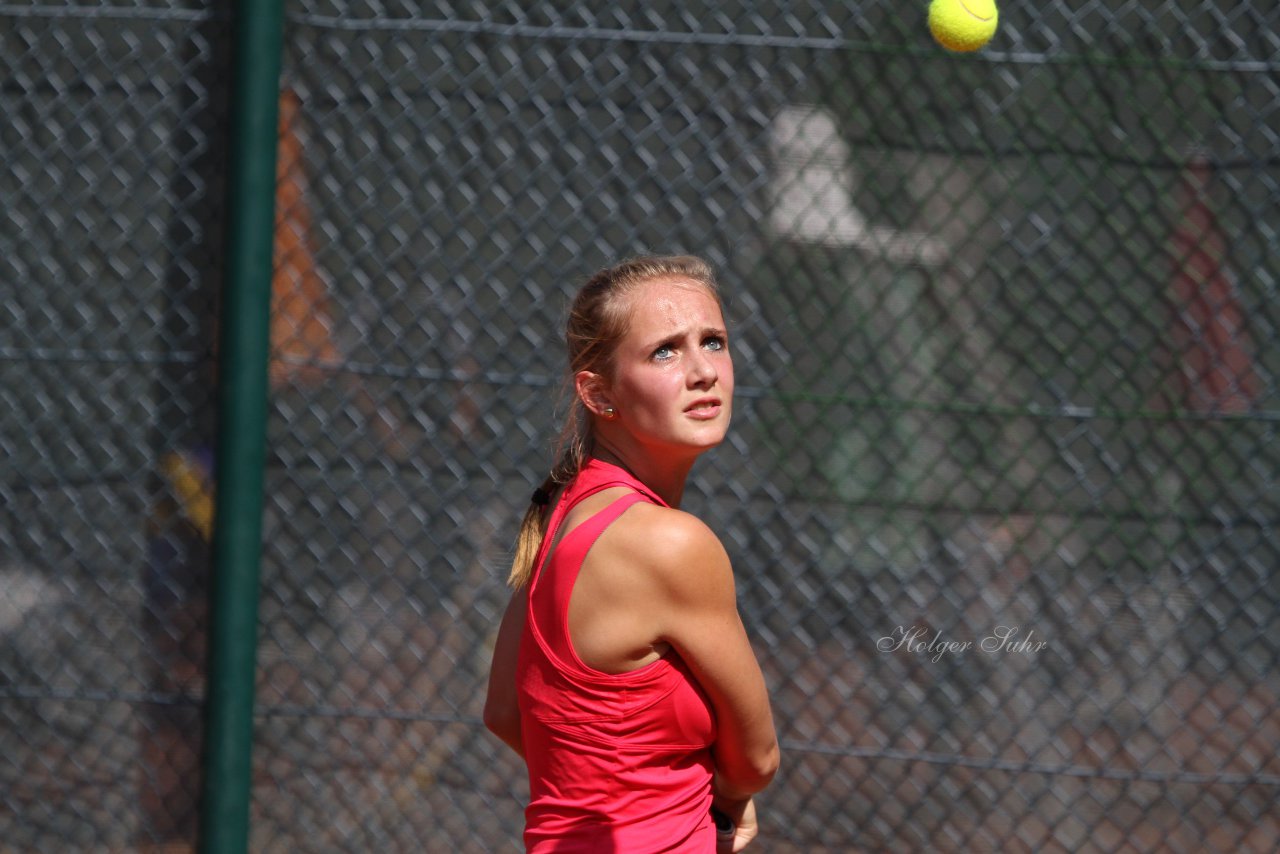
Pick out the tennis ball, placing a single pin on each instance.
(963, 25)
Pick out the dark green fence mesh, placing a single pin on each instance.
(1001, 491)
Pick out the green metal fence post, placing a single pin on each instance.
(242, 409)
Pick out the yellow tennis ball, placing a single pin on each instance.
(963, 25)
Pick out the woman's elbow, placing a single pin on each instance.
(751, 773)
(765, 765)
(508, 732)
(502, 721)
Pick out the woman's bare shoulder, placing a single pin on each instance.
(666, 530)
(668, 542)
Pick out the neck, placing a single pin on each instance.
(664, 477)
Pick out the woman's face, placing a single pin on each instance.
(672, 382)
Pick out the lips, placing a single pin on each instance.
(705, 407)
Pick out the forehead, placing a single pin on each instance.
(669, 305)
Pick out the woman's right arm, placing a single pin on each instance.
(501, 709)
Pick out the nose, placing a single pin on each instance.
(702, 370)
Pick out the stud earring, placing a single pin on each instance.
(609, 413)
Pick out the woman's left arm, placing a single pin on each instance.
(695, 610)
(501, 708)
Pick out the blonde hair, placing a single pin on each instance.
(598, 319)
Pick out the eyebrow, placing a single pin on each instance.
(675, 336)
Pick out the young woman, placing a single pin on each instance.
(622, 673)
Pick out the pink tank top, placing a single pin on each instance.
(617, 762)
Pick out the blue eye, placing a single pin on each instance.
(663, 352)
(714, 343)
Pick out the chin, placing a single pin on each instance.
(686, 447)
(707, 442)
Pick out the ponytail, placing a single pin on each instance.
(533, 527)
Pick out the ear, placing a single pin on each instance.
(593, 391)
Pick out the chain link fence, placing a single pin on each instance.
(1001, 491)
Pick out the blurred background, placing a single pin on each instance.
(1005, 332)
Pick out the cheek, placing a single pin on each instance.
(724, 373)
(662, 390)
(665, 387)
(653, 389)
